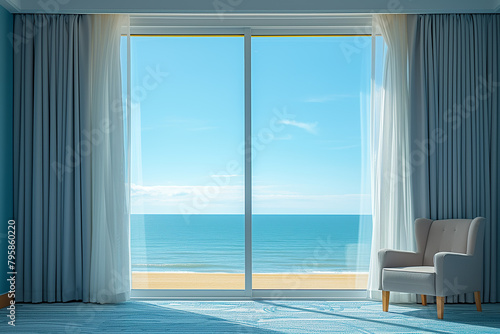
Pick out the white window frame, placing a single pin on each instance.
(248, 26)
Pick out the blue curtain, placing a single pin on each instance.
(52, 195)
(454, 89)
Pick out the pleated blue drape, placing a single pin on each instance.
(52, 165)
(454, 107)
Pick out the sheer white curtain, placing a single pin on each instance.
(110, 258)
(392, 217)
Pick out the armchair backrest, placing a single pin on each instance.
(450, 235)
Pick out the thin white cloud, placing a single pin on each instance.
(174, 191)
(267, 199)
(309, 127)
(346, 147)
(287, 137)
(204, 128)
(274, 199)
(296, 196)
(210, 198)
(328, 98)
(225, 175)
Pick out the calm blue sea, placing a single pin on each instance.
(281, 243)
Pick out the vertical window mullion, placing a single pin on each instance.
(248, 163)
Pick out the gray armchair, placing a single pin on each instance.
(448, 261)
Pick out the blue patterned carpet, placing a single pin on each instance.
(250, 317)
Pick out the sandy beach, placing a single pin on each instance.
(158, 280)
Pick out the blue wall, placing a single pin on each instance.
(6, 174)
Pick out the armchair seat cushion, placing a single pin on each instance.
(415, 279)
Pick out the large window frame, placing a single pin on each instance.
(248, 26)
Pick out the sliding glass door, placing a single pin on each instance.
(311, 182)
(194, 99)
(187, 223)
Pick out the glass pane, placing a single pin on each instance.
(187, 223)
(311, 184)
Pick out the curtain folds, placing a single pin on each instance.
(68, 195)
(110, 260)
(391, 191)
(454, 89)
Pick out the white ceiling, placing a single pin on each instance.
(251, 6)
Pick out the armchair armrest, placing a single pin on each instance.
(457, 273)
(389, 258)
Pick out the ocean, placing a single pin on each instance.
(281, 243)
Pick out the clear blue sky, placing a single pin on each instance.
(310, 98)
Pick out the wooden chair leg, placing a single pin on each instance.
(385, 300)
(424, 300)
(477, 298)
(440, 306)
